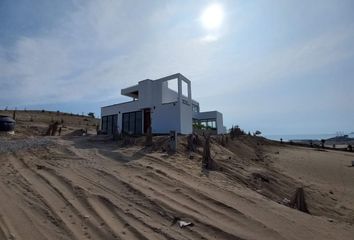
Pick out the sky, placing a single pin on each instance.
(281, 67)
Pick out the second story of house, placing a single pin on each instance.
(174, 89)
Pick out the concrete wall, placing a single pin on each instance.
(165, 117)
(186, 119)
(146, 93)
(220, 124)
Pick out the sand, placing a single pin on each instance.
(91, 188)
(88, 187)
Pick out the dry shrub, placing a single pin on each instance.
(128, 140)
(236, 131)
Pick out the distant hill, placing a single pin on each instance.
(35, 122)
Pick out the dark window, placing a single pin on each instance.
(207, 123)
(195, 108)
(138, 122)
(109, 123)
(115, 123)
(104, 124)
(132, 122)
(126, 122)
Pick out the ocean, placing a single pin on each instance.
(286, 137)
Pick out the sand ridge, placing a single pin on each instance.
(87, 188)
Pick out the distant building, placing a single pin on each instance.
(164, 104)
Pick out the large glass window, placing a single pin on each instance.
(109, 123)
(195, 108)
(126, 122)
(115, 122)
(206, 123)
(104, 124)
(138, 122)
(132, 122)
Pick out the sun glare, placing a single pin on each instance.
(212, 16)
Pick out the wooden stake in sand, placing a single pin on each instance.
(222, 140)
(207, 161)
(54, 128)
(49, 130)
(191, 142)
(173, 141)
(148, 137)
(298, 201)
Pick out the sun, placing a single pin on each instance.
(212, 16)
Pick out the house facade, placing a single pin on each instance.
(164, 104)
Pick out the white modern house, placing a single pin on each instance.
(165, 104)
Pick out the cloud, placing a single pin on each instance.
(310, 55)
(209, 38)
(99, 47)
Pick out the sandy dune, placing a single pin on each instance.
(89, 188)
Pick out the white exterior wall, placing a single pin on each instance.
(165, 117)
(186, 119)
(220, 124)
(146, 94)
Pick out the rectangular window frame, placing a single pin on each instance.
(132, 123)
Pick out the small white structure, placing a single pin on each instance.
(164, 104)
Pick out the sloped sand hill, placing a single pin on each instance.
(91, 188)
(35, 122)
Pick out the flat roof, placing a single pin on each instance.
(130, 91)
(119, 103)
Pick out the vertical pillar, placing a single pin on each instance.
(179, 89)
(189, 92)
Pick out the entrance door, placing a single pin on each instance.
(147, 119)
